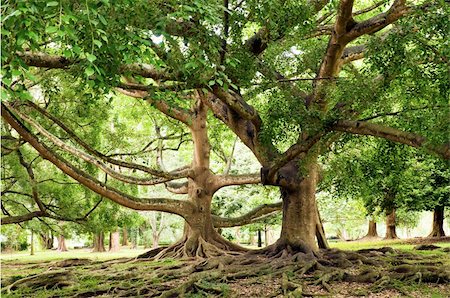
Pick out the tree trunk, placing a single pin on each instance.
(259, 238)
(114, 241)
(251, 239)
(372, 232)
(155, 239)
(237, 233)
(390, 224)
(124, 237)
(99, 242)
(266, 235)
(32, 244)
(438, 222)
(300, 216)
(47, 240)
(62, 243)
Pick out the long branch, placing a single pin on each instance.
(88, 158)
(40, 59)
(157, 204)
(392, 134)
(96, 153)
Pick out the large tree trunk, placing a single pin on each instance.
(300, 216)
(391, 232)
(372, 231)
(438, 222)
(114, 241)
(124, 237)
(99, 242)
(62, 243)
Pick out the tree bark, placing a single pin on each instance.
(114, 241)
(372, 231)
(155, 239)
(391, 232)
(124, 237)
(99, 242)
(300, 217)
(62, 243)
(438, 222)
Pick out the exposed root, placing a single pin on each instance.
(298, 275)
(194, 247)
(46, 280)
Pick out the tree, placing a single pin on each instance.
(201, 54)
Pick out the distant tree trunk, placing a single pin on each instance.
(62, 243)
(391, 232)
(47, 240)
(124, 237)
(114, 241)
(238, 234)
(438, 222)
(252, 239)
(99, 242)
(259, 238)
(32, 244)
(266, 235)
(340, 234)
(155, 239)
(372, 232)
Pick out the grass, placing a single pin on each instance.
(395, 244)
(52, 255)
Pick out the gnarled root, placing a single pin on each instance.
(194, 247)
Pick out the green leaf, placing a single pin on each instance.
(102, 19)
(91, 58)
(89, 71)
(97, 42)
(51, 29)
(52, 3)
(212, 82)
(220, 82)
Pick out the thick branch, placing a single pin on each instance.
(157, 204)
(392, 134)
(39, 59)
(256, 214)
(227, 180)
(21, 218)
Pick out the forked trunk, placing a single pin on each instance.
(372, 231)
(200, 238)
(391, 232)
(114, 241)
(438, 222)
(62, 243)
(99, 242)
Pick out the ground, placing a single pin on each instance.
(373, 272)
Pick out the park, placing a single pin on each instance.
(225, 148)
